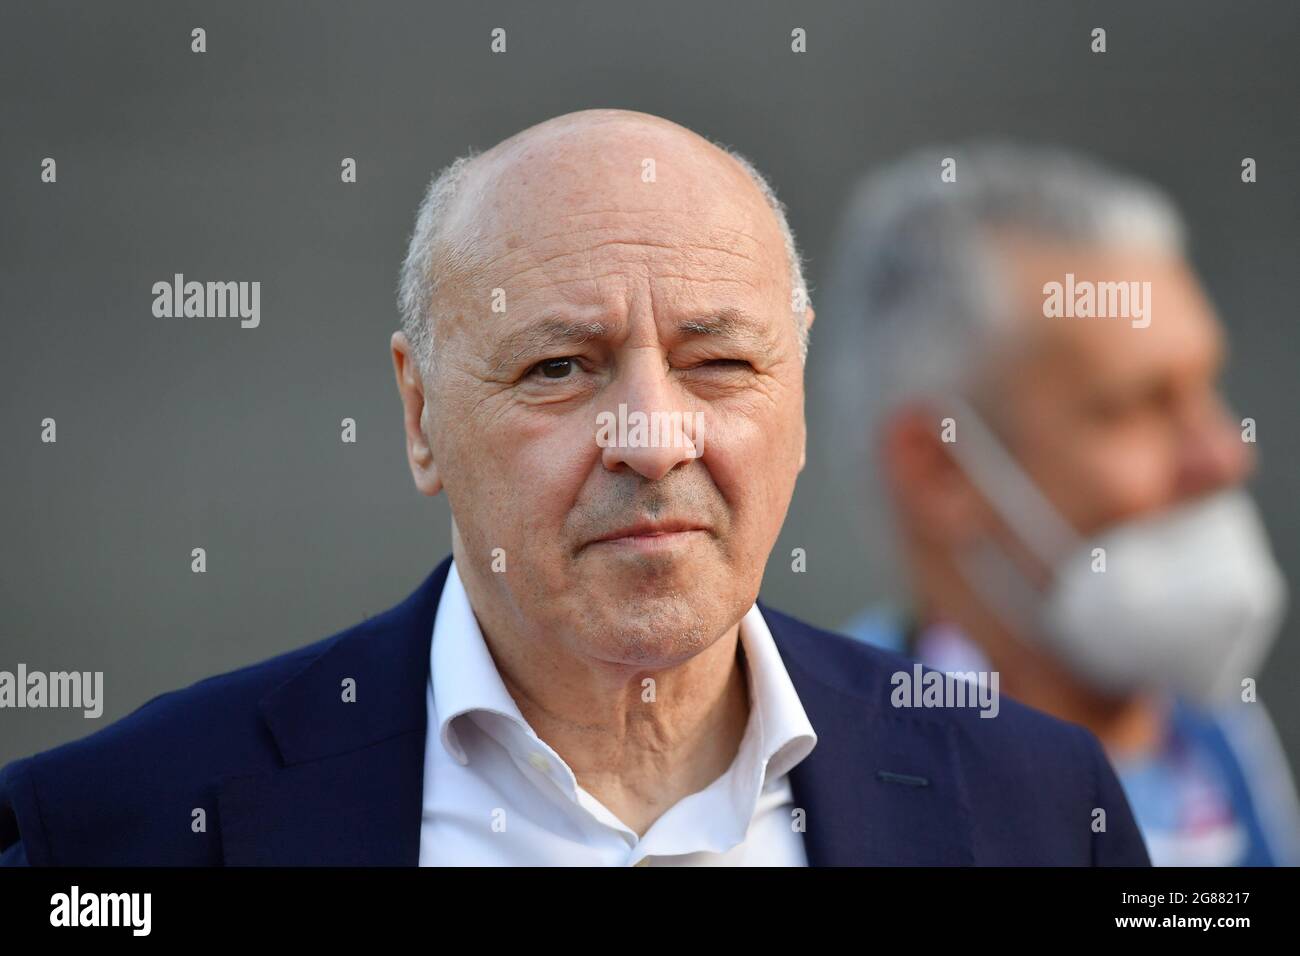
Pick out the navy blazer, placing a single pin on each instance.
(285, 772)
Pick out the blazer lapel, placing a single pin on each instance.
(349, 791)
(883, 785)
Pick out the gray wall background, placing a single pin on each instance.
(180, 433)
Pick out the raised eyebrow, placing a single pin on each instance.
(543, 335)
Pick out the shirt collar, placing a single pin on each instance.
(784, 734)
(777, 737)
(464, 676)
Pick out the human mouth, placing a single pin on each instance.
(651, 536)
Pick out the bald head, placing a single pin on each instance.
(571, 173)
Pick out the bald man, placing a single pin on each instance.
(601, 365)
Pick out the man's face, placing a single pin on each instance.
(664, 296)
(1114, 421)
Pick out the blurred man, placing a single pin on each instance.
(1026, 353)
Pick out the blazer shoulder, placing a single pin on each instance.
(218, 704)
(170, 752)
(125, 794)
(1048, 775)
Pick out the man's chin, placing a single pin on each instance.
(651, 634)
(619, 576)
(643, 602)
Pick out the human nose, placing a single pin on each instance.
(1214, 453)
(645, 425)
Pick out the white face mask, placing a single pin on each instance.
(1190, 599)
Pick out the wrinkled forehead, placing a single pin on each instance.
(614, 193)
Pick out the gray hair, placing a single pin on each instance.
(913, 302)
(430, 261)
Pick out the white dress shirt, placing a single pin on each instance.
(497, 794)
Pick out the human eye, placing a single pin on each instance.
(554, 368)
